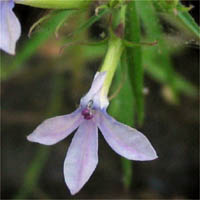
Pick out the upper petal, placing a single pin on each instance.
(94, 92)
(10, 29)
(55, 129)
(82, 156)
(126, 141)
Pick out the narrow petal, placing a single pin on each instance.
(95, 90)
(124, 140)
(82, 156)
(55, 129)
(10, 29)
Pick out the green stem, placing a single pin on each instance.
(114, 52)
(58, 4)
(111, 61)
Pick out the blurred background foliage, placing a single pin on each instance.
(155, 89)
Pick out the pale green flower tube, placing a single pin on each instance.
(112, 58)
(113, 55)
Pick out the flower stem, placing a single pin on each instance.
(111, 61)
(113, 55)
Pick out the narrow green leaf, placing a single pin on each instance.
(134, 58)
(158, 52)
(34, 42)
(153, 68)
(177, 14)
(90, 21)
(122, 108)
(187, 20)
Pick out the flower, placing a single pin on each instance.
(82, 155)
(10, 29)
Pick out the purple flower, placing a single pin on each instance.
(82, 155)
(10, 29)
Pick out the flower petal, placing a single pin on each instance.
(126, 141)
(82, 156)
(10, 29)
(55, 129)
(93, 94)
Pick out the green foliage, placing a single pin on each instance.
(155, 70)
(91, 20)
(167, 5)
(134, 58)
(178, 13)
(157, 59)
(159, 53)
(37, 39)
(122, 108)
(188, 22)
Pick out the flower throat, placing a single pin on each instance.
(87, 112)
